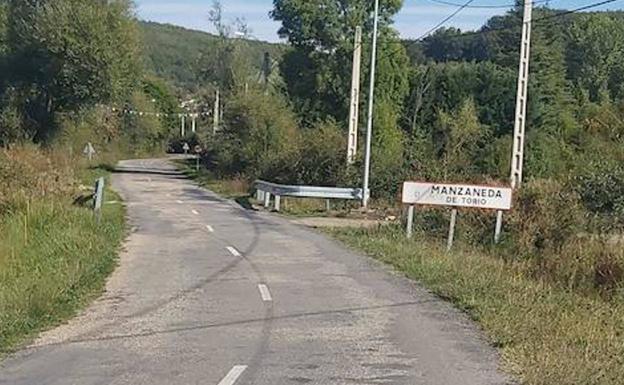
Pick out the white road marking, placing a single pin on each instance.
(210, 228)
(265, 293)
(233, 375)
(195, 212)
(233, 251)
(180, 202)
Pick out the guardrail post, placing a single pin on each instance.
(277, 202)
(267, 199)
(410, 221)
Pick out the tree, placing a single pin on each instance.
(69, 54)
(226, 65)
(595, 54)
(317, 71)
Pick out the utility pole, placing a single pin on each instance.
(517, 158)
(216, 116)
(371, 96)
(354, 110)
(266, 71)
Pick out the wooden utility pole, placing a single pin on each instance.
(216, 116)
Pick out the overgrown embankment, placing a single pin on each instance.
(551, 331)
(54, 256)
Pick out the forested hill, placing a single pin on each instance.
(176, 54)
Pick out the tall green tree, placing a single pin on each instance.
(68, 54)
(317, 71)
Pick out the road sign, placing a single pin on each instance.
(89, 151)
(456, 195)
(186, 148)
(197, 149)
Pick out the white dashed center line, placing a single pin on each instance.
(195, 212)
(209, 228)
(233, 251)
(233, 375)
(179, 202)
(265, 293)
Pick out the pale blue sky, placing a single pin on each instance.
(416, 17)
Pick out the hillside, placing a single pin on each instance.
(174, 53)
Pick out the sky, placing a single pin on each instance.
(416, 17)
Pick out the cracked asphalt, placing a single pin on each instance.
(210, 293)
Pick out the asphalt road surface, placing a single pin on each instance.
(210, 293)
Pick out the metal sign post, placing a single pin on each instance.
(410, 221)
(451, 234)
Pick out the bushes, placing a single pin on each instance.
(602, 193)
(54, 256)
(29, 173)
(546, 215)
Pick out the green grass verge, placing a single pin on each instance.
(548, 336)
(54, 259)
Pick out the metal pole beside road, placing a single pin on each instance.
(98, 198)
(451, 235)
(371, 96)
(410, 221)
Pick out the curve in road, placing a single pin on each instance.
(209, 293)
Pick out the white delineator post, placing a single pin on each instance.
(216, 115)
(354, 109)
(517, 159)
(371, 101)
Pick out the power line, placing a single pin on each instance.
(449, 17)
(548, 17)
(450, 3)
(490, 30)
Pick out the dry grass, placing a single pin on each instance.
(548, 335)
(54, 257)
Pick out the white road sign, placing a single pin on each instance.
(439, 194)
(89, 151)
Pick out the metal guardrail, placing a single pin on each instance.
(264, 190)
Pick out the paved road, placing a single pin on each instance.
(209, 293)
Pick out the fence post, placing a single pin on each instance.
(410, 221)
(259, 196)
(277, 202)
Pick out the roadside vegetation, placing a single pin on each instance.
(549, 332)
(551, 294)
(54, 255)
(70, 74)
